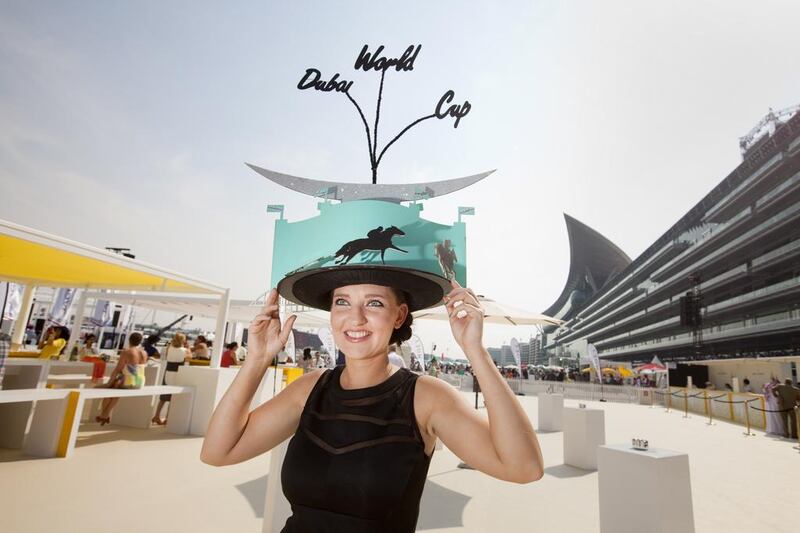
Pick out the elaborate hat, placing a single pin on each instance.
(346, 245)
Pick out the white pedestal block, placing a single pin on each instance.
(15, 418)
(551, 412)
(655, 483)
(584, 431)
(210, 385)
(276, 507)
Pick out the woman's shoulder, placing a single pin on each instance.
(431, 392)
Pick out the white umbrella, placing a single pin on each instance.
(494, 313)
(313, 318)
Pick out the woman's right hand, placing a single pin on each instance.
(265, 336)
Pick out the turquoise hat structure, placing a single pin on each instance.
(370, 236)
(367, 241)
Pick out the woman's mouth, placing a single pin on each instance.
(357, 335)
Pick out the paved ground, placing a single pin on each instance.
(126, 481)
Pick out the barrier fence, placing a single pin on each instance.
(742, 408)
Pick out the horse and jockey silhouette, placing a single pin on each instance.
(377, 239)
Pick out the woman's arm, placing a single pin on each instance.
(504, 446)
(234, 433)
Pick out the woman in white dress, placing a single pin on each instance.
(774, 420)
(176, 356)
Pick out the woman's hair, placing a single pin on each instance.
(135, 339)
(201, 338)
(403, 333)
(306, 353)
(62, 332)
(178, 340)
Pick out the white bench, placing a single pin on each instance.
(53, 428)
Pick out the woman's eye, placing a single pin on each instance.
(340, 301)
(375, 303)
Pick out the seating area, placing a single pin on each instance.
(42, 404)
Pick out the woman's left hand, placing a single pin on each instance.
(466, 317)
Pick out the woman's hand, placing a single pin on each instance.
(466, 317)
(265, 336)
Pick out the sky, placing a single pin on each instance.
(129, 124)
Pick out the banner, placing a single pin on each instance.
(102, 314)
(594, 360)
(418, 349)
(515, 351)
(325, 335)
(289, 348)
(13, 299)
(62, 303)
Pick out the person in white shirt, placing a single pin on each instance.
(394, 358)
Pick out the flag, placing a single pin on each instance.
(515, 351)
(466, 210)
(418, 349)
(62, 303)
(326, 337)
(289, 348)
(13, 299)
(594, 359)
(101, 316)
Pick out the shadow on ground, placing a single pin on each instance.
(440, 506)
(255, 492)
(566, 471)
(92, 434)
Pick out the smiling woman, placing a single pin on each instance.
(363, 433)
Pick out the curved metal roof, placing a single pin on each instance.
(594, 260)
(390, 192)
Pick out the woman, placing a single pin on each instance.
(229, 356)
(369, 428)
(150, 346)
(128, 374)
(775, 423)
(88, 349)
(307, 362)
(200, 348)
(54, 342)
(176, 356)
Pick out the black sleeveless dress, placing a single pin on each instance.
(357, 462)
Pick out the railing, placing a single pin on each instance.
(570, 389)
(737, 407)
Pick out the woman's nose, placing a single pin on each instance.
(357, 316)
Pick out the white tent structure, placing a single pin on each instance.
(35, 258)
(241, 311)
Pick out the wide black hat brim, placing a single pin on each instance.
(313, 287)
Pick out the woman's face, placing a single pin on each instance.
(363, 318)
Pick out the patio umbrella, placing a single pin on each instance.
(494, 313)
(650, 368)
(624, 372)
(606, 370)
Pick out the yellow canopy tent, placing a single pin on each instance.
(35, 258)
